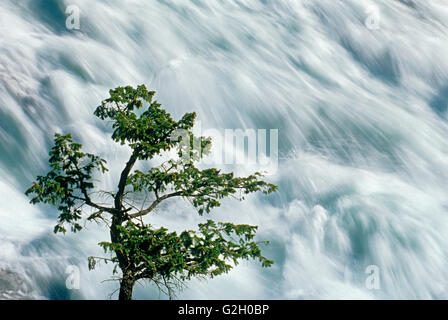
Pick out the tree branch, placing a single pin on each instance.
(94, 205)
(123, 178)
(154, 204)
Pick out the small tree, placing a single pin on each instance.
(139, 250)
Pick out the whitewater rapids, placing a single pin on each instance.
(361, 114)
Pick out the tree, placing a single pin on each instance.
(138, 249)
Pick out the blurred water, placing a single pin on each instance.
(362, 119)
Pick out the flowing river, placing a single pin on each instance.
(358, 91)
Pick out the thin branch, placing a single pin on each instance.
(94, 205)
(98, 215)
(130, 205)
(123, 178)
(154, 204)
(102, 258)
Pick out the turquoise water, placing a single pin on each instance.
(361, 114)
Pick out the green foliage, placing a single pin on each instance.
(138, 250)
(148, 133)
(203, 187)
(157, 252)
(68, 181)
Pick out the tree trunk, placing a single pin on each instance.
(128, 281)
(126, 286)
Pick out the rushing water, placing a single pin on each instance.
(361, 113)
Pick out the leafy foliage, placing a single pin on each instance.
(148, 133)
(139, 250)
(203, 187)
(157, 252)
(68, 181)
